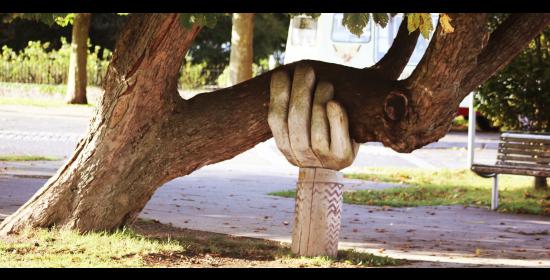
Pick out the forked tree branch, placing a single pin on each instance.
(395, 60)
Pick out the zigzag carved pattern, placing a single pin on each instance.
(333, 200)
(298, 204)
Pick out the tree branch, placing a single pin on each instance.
(430, 96)
(395, 60)
(505, 43)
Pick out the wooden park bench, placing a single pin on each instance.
(519, 153)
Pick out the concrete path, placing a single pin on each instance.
(224, 198)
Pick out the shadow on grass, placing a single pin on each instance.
(205, 244)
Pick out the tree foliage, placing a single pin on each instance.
(212, 44)
(518, 97)
(355, 22)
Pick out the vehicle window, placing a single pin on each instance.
(341, 34)
(384, 37)
(304, 31)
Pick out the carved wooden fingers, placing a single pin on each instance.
(309, 127)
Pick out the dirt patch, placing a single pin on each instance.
(206, 249)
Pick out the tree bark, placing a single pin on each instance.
(241, 57)
(121, 161)
(77, 79)
(144, 134)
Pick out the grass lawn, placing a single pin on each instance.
(446, 187)
(151, 244)
(42, 88)
(26, 158)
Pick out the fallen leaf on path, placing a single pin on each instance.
(521, 250)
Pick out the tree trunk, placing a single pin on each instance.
(143, 134)
(77, 80)
(241, 57)
(540, 183)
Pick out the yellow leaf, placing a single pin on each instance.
(445, 21)
(425, 25)
(478, 252)
(413, 22)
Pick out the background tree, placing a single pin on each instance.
(143, 134)
(240, 61)
(77, 78)
(518, 97)
(17, 32)
(212, 45)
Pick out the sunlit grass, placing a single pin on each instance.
(42, 88)
(26, 158)
(446, 187)
(65, 248)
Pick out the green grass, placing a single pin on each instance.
(26, 158)
(446, 187)
(38, 102)
(64, 248)
(151, 244)
(42, 88)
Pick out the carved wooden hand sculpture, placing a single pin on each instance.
(310, 133)
(313, 135)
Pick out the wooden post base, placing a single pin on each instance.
(317, 213)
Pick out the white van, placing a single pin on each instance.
(326, 39)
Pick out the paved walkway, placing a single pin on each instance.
(225, 198)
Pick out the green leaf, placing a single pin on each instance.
(64, 20)
(355, 22)
(313, 15)
(202, 19)
(380, 19)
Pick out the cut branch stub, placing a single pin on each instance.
(395, 106)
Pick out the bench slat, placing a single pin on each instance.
(516, 151)
(522, 164)
(513, 170)
(533, 136)
(524, 140)
(543, 161)
(536, 146)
